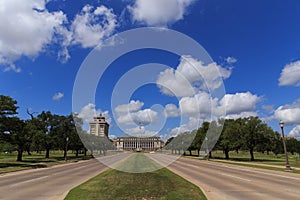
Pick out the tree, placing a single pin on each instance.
(229, 136)
(8, 109)
(18, 135)
(253, 130)
(292, 145)
(200, 136)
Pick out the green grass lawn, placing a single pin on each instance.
(114, 184)
(36, 160)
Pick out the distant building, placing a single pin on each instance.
(138, 143)
(99, 126)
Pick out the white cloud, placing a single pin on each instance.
(239, 102)
(171, 110)
(290, 74)
(295, 132)
(158, 12)
(204, 106)
(201, 105)
(141, 117)
(241, 115)
(29, 29)
(92, 26)
(290, 114)
(12, 67)
(190, 77)
(140, 132)
(57, 96)
(89, 111)
(131, 114)
(231, 60)
(133, 106)
(26, 29)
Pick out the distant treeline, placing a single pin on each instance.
(44, 132)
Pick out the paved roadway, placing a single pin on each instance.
(51, 183)
(218, 181)
(224, 181)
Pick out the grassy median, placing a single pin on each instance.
(114, 184)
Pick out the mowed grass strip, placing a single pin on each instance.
(114, 184)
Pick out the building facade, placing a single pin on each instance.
(99, 126)
(138, 143)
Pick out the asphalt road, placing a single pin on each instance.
(224, 181)
(218, 181)
(47, 183)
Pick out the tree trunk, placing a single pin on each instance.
(190, 152)
(84, 150)
(77, 151)
(65, 154)
(226, 151)
(251, 154)
(20, 154)
(47, 153)
(28, 152)
(209, 155)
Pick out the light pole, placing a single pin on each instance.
(287, 164)
(67, 140)
(207, 150)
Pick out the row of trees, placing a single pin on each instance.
(249, 134)
(43, 132)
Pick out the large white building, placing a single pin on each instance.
(138, 143)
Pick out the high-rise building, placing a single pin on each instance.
(99, 126)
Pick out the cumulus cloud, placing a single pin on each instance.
(289, 113)
(29, 29)
(140, 132)
(158, 12)
(200, 105)
(242, 115)
(131, 113)
(57, 96)
(89, 111)
(290, 74)
(295, 132)
(204, 106)
(190, 77)
(92, 25)
(239, 102)
(171, 110)
(26, 29)
(133, 106)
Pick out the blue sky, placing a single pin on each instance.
(256, 43)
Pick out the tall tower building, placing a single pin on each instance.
(99, 126)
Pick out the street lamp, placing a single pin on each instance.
(207, 150)
(287, 164)
(67, 139)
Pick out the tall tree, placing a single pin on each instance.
(8, 109)
(253, 130)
